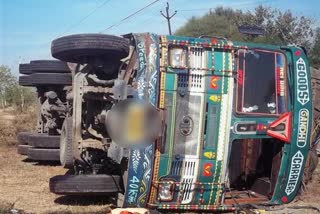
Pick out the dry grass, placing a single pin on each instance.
(12, 122)
(24, 186)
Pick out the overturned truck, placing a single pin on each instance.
(179, 123)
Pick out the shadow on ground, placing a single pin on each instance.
(42, 163)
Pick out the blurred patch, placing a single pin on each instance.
(133, 123)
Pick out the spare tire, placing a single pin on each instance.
(86, 48)
(38, 79)
(46, 66)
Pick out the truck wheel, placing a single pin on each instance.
(23, 149)
(22, 138)
(25, 68)
(86, 48)
(43, 154)
(44, 141)
(25, 80)
(47, 66)
(38, 79)
(85, 184)
(66, 144)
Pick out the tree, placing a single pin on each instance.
(281, 28)
(215, 23)
(6, 80)
(11, 94)
(315, 51)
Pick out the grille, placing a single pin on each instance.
(193, 82)
(183, 81)
(188, 179)
(196, 81)
(198, 58)
(176, 167)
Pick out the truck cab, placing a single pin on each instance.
(237, 120)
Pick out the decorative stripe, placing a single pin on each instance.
(199, 69)
(226, 135)
(192, 207)
(181, 183)
(206, 44)
(163, 63)
(141, 160)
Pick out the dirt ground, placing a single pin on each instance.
(24, 184)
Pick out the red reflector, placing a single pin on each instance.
(214, 41)
(284, 199)
(283, 134)
(298, 53)
(261, 127)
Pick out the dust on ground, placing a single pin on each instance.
(24, 185)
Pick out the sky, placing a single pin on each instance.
(27, 27)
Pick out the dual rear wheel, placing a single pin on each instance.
(38, 147)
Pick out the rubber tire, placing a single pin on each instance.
(23, 149)
(22, 137)
(84, 48)
(85, 184)
(43, 154)
(66, 144)
(38, 79)
(47, 66)
(25, 80)
(25, 68)
(44, 141)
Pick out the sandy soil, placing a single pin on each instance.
(24, 187)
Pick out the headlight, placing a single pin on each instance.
(178, 57)
(165, 191)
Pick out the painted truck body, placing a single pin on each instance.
(236, 120)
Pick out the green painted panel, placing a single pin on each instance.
(170, 82)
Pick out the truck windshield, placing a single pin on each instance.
(261, 82)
